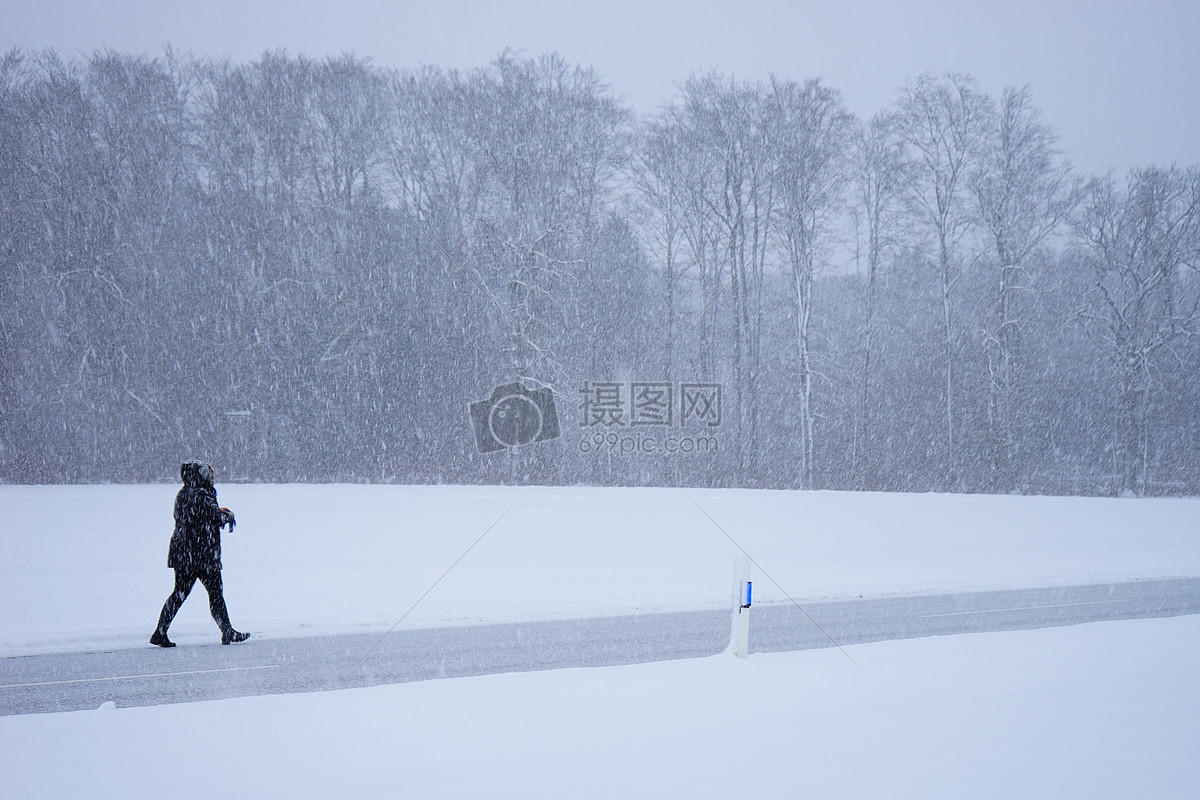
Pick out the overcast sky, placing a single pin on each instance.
(1120, 81)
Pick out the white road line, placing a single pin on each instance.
(135, 677)
(1025, 608)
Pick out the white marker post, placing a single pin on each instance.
(742, 592)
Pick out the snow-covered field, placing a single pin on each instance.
(85, 566)
(1106, 710)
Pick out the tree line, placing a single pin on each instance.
(308, 270)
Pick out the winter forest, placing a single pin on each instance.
(309, 270)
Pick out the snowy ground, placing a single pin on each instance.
(84, 567)
(1106, 710)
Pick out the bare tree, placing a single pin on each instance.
(701, 235)
(658, 179)
(881, 184)
(1023, 190)
(944, 121)
(809, 133)
(547, 144)
(1143, 243)
(726, 119)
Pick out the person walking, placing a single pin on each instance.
(195, 552)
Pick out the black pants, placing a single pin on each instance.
(184, 581)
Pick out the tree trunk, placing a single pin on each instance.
(951, 466)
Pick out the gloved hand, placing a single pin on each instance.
(227, 519)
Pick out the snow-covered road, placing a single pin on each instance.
(149, 676)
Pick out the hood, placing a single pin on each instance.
(196, 473)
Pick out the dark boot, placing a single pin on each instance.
(159, 638)
(230, 636)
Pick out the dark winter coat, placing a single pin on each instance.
(196, 543)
